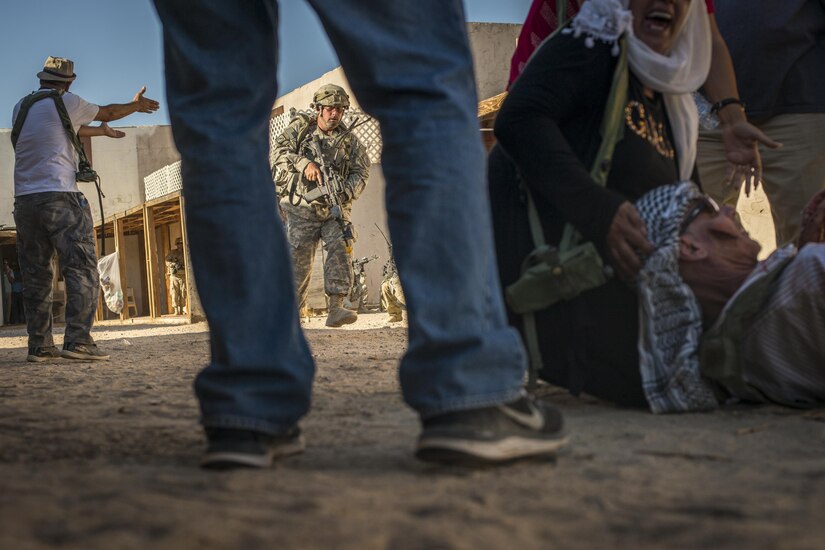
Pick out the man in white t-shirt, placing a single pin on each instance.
(53, 216)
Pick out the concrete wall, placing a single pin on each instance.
(123, 163)
(492, 45)
(6, 178)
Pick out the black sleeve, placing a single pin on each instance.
(695, 176)
(564, 80)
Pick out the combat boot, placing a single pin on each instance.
(338, 314)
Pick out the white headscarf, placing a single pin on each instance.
(675, 75)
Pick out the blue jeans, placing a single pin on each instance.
(409, 64)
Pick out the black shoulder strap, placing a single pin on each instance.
(65, 120)
(67, 125)
(25, 105)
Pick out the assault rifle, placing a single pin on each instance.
(389, 267)
(331, 186)
(358, 264)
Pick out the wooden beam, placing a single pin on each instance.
(165, 198)
(152, 273)
(135, 210)
(120, 247)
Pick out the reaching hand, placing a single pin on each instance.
(144, 104)
(111, 132)
(627, 237)
(741, 141)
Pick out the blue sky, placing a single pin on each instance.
(116, 47)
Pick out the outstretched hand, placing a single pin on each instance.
(144, 104)
(741, 140)
(626, 238)
(111, 132)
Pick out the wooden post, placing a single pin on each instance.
(186, 260)
(152, 273)
(120, 247)
(165, 247)
(100, 298)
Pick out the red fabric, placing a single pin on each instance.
(540, 23)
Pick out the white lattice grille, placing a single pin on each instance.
(367, 132)
(162, 182)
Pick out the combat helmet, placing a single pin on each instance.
(330, 95)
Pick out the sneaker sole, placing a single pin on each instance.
(82, 356)
(463, 451)
(227, 460)
(39, 359)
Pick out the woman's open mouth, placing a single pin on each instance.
(658, 21)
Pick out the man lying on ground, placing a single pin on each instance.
(717, 324)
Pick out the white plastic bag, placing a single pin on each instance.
(109, 271)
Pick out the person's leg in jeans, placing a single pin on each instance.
(462, 352)
(220, 78)
(462, 355)
(409, 65)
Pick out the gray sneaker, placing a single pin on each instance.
(83, 352)
(42, 353)
(493, 435)
(230, 448)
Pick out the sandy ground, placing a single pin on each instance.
(105, 455)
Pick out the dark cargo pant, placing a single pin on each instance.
(48, 223)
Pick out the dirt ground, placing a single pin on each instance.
(105, 456)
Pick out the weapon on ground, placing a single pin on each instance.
(358, 264)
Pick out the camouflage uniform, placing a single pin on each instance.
(392, 295)
(57, 222)
(176, 269)
(308, 223)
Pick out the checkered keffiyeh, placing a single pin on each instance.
(670, 321)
